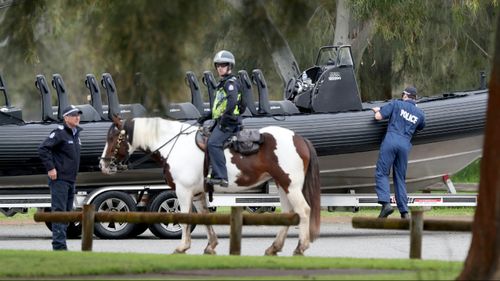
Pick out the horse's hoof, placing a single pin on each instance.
(270, 252)
(177, 251)
(209, 252)
(298, 252)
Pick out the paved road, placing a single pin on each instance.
(337, 240)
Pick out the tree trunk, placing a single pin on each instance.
(283, 58)
(483, 260)
(348, 31)
(342, 19)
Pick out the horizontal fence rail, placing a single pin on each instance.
(236, 220)
(429, 225)
(416, 224)
(152, 218)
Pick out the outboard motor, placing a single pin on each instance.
(194, 87)
(9, 114)
(209, 81)
(95, 95)
(41, 85)
(62, 95)
(113, 104)
(247, 95)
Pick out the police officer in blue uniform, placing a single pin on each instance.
(60, 154)
(226, 113)
(405, 118)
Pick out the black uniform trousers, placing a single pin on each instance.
(62, 194)
(216, 150)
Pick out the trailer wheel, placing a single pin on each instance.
(139, 229)
(114, 201)
(167, 202)
(74, 230)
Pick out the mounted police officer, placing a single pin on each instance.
(405, 118)
(226, 111)
(60, 154)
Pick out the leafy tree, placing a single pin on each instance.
(148, 45)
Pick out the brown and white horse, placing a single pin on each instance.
(284, 156)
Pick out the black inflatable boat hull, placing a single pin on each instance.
(347, 144)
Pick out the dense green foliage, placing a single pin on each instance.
(148, 45)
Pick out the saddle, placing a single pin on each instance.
(246, 141)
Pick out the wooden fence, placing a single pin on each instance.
(236, 220)
(416, 225)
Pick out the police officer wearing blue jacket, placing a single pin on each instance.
(60, 154)
(227, 116)
(405, 118)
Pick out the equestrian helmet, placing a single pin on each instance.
(224, 57)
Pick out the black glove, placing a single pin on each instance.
(203, 118)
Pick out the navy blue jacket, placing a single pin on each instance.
(61, 150)
(404, 117)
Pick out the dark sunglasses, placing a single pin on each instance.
(221, 64)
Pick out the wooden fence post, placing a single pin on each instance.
(416, 230)
(88, 227)
(235, 234)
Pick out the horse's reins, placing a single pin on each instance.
(143, 159)
(146, 157)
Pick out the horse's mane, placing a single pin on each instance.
(150, 131)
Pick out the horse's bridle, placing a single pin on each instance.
(120, 166)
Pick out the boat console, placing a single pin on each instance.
(328, 87)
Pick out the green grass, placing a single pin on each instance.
(435, 211)
(19, 217)
(469, 174)
(30, 264)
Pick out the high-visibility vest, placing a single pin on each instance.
(220, 102)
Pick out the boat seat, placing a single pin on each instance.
(209, 81)
(182, 111)
(196, 96)
(283, 107)
(95, 95)
(266, 107)
(247, 95)
(127, 111)
(89, 114)
(8, 113)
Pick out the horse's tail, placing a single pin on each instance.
(311, 191)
